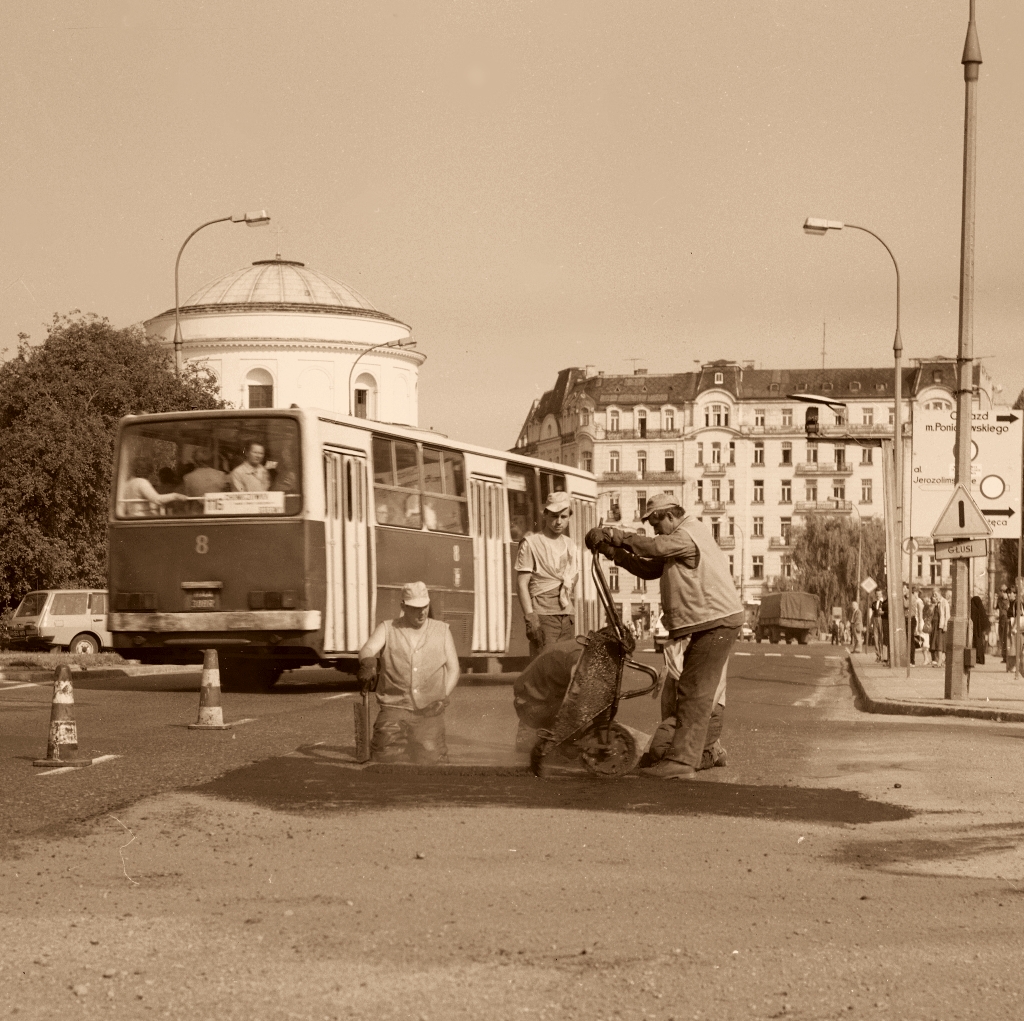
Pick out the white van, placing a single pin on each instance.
(51, 619)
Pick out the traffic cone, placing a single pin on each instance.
(210, 715)
(62, 744)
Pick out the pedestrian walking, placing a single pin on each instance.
(417, 671)
(547, 570)
(1002, 620)
(940, 620)
(702, 612)
(979, 629)
(916, 607)
(856, 624)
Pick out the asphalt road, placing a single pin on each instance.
(841, 865)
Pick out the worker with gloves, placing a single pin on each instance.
(701, 611)
(418, 670)
(547, 569)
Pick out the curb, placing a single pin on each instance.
(41, 674)
(867, 704)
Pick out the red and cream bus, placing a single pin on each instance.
(289, 555)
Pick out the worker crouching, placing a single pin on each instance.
(417, 672)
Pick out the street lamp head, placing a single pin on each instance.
(259, 218)
(815, 225)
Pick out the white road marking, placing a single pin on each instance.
(62, 769)
(836, 658)
(27, 684)
(344, 694)
(812, 700)
(767, 654)
(104, 758)
(238, 723)
(797, 655)
(743, 654)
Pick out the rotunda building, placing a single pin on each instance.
(278, 333)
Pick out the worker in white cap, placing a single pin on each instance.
(418, 670)
(547, 569)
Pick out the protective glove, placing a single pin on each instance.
(367, 675)
(606, 549)
(533, 628)
(598, 535)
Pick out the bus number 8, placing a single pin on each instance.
(202, 544)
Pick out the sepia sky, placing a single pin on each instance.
(528, 185)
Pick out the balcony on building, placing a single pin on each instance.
(635, 434)
(713, 507)
(779, 542)
(823, 468)
(727, 541)
(832, 506)
(619, 476)
(714, 470)
(661, 476)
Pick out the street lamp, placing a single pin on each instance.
(817, 226)
(375, 347)
(256, 219)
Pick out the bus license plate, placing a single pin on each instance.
(204, 600)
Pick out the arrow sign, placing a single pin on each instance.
(1005, 513)
(1006, 418)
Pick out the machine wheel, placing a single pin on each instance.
(84, 645)
(616, 758)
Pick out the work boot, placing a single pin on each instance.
(669, 769)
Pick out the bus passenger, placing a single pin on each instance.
(203, 478)
(251, 476)
(139, 498)
(419, 668)
(284, 476)
(547, 567)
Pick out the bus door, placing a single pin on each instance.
(584, 517)
(347, 618)
(490, 557)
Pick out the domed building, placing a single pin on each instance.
(278, 333)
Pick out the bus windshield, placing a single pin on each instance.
(209, 467)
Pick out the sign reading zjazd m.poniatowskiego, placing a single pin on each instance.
(995, 467)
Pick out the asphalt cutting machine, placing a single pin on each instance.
(585, 726)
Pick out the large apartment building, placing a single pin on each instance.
(730, 442)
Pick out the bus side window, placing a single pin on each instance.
(522, 512)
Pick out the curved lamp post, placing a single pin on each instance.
(256, 219)
(815, 225)
(375, 347)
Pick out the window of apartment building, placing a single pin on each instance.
(700, 453)
(732, 491)
(757, 567)
(641, 423)
(759, 453)
(838, 489)
(700, 490)
(787, 416)
(641, 502)
(732, 451)
(732, 566)
(892, 416)
(732, 528)
(758, 418)
(787, 491)
(920, 565)
(786, 565)
(613, 421)
(719, 378)
(613, 579)
(716, 490)
(641, 462)
(758, 491)
(587, 461)
(786, 529)
(865, 491)
(867, 455)
(840, 456)
(716, 529)
(639, 584)
(670, 460)
(716, 414)
(867, 416)
(840, 416)
(812, 453)
(614, 512)
(758, 528)
(811, 492)
(716, 453)
(613, 461)
(668, 418)
(787, 452)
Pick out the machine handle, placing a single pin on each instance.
(643, 668)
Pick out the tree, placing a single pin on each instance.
(59, 407)
(825, 557)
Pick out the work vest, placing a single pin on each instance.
(412, 665)
(701, 594)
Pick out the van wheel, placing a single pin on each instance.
(84, 645)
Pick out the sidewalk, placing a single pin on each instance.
(993, 694)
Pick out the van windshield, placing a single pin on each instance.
(31, 605)
(209, 467)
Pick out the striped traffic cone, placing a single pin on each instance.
(210, 715)
(62, 744)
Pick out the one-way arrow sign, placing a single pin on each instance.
(1006, 512)
(1006, 418)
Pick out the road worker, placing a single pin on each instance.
(417, 672)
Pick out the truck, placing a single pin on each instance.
(787, 615)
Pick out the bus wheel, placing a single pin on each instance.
(84, 645)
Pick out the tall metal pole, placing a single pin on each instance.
(958, 677)
(177, 307)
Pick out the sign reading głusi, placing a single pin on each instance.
(995, 467)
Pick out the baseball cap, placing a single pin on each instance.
(415, 594)
(659, 502)
(557, 502)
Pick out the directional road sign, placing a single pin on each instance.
(996, 435)
(954, 549)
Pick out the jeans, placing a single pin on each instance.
(403, 734)
(555, 627)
